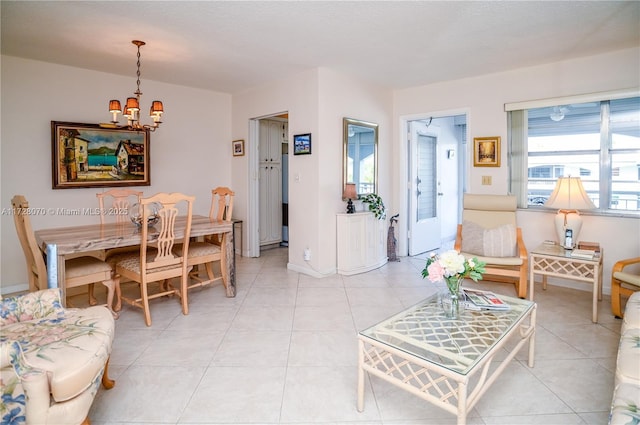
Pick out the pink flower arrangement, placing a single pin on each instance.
(452, 267)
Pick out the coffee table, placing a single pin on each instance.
(446, 362)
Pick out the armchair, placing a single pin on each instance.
(52, 358)
(489, 232)
(620, 277)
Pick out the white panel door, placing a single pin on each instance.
(424, 221)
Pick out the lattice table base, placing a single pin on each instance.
(553, 261)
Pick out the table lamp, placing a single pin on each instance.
(569, 196)
(350, 193)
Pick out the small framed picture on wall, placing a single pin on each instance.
(302, 144)
(486, 151)
(238, 147)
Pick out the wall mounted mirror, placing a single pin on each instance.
(360, 156)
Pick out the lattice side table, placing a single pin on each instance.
(554, 260)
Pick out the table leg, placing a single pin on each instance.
(532, 338)
(532, 280)
(462, 403)
(56, 272)
(596, 293)
(360, 404)
(230, 271)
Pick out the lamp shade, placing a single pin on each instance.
(114, 106)
(156, 108)
(568, 197)
(569, 194)
(132, 104)
(349, 191)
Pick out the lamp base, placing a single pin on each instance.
(568, 220)
(350, 207)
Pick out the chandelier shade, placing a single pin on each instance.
(131, 108)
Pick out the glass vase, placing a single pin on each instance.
(451, 299)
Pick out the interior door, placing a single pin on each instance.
(424, 221)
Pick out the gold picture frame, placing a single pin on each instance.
(238, 147)
(486, 151)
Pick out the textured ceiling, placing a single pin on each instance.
(229, 46)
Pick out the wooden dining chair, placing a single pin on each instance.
(79, 271)
(208, 252)
(113, 207)
(157, 259)
(115, 204)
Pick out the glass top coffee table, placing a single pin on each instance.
(447, 362)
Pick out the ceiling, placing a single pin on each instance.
(230, 46)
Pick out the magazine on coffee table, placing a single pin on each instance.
(484, 300)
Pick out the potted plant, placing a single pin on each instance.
(376, 206)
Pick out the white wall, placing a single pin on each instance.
(484, 97)
(316, 101)
(191, 152)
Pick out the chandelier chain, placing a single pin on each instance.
(138, 92)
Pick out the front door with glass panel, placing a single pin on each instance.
(424, 222)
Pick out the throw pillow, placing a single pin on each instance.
(496, 242)
(472, 238)
(500, 242)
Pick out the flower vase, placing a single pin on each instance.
(451, 299)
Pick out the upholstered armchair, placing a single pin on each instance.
(489, 231)
(53, 359)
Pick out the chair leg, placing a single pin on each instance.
(118, 306)
(616, 307)
(184, 291)
(145, 303)
(92, 298)
(113, 286)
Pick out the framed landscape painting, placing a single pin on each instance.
(88, 155)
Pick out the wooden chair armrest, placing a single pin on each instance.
(618, 266)
(522, 249)
(458, 244)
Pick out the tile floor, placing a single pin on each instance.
(283, 351)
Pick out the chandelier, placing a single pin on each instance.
(131, 109)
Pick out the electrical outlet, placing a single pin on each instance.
(486, 180)
(307, 254)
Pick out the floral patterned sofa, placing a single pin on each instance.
(52, 358)
(625, 406)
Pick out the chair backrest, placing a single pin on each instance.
(163, 235)
(36, 268)
(221, 203)
(114, 204)
(489, 211)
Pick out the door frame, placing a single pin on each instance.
(253, 219)
(404, 185)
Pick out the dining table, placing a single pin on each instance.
(60, 243)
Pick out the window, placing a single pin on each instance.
(599, 141)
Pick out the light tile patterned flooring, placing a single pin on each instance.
(283, 351)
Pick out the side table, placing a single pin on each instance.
(554, 260)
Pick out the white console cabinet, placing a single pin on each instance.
(361, 240)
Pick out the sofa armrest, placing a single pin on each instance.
(33, 305)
